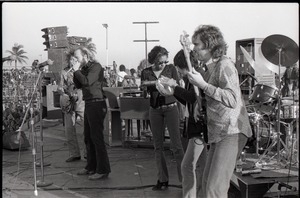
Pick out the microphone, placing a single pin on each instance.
(253, 77)
(45, 63)
(36, 64)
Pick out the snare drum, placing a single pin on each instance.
(289, 111)
(264, 96)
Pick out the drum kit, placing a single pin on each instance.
(268, 101)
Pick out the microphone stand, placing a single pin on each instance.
(33, 150)
(42, 183)
(33, 134)
(29, 106)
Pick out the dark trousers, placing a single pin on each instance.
(97, 158)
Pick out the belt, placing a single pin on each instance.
(167, 106)
(94, 100)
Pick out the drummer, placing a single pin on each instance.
(290, 80)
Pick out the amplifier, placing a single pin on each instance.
(134, 108)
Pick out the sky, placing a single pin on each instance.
(22, 23)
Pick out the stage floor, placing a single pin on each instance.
(133, 171)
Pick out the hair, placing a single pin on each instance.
(180, 60)
(69, 54)
(83, 50)
(212, 38)
(156, 53)
(132, 71)
(35, 62)
(122, 68)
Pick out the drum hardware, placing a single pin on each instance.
(263, 161)
(291, 142)
(283, 52)
(256, 121)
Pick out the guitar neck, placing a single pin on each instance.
(188, 60)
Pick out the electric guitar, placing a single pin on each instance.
(184, 40)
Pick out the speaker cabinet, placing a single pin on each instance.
(11, 142)
(55, 37)
(77, 40)
(59, 59)
(251, 45)
(56, 44)
(56, 30)
(262, 74)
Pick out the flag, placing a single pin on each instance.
(105, 25)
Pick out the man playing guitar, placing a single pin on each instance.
(195, 127)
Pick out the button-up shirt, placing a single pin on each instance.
(226, 111)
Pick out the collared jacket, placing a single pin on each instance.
(90, 79)
(226, 111)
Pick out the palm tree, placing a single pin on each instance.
(90, 46)
(17, 54)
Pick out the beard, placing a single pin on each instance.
(83, 63)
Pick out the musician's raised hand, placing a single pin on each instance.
(76, 65)
(196, 79)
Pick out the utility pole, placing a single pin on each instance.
(146, 39)
(105, 25)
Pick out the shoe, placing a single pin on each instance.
(97, 176)
(72, 159)
(161, 185)
(85, 172)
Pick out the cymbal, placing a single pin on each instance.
(289, 50)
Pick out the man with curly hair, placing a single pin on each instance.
(227, 118)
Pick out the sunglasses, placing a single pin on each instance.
(162, 62)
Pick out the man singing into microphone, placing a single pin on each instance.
(90, 78)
